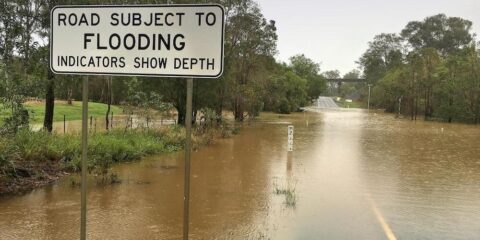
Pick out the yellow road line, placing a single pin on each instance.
(388, 231)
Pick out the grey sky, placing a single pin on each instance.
(336, 33)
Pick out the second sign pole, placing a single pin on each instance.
(83, 215)
(188, 143)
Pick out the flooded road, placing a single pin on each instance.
(352, 175)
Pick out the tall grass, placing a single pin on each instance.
(27, 147)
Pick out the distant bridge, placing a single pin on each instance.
(347, 80)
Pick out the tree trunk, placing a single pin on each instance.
(218, 111)
(450, 103)
(416, 108)
(238, 110)
(412, 108)
(49, 102)
(109, 102)
(181, 116)
(426, 106)
(219, 106)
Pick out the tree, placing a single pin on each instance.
(332, 86)
(446, 34)
(251, 42)
(351, 90)
(50, 78)
(458, 93)
(287, 91)
(431, 61)
(309, 70)
(439, 70)
(383, 53)
(12, 93)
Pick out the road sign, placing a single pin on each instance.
(290, 138)
(141, 40)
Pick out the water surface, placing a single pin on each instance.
(350, 170)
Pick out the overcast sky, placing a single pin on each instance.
(335, 33)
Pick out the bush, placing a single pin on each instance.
(8, 155)
(284, 107)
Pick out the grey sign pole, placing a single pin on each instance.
(83, 217)
(188, 143)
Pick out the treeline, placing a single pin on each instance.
(430, 69)
(252, 81)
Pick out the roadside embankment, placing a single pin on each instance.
(31, 159)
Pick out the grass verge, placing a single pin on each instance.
(31, 159)
(71, 112)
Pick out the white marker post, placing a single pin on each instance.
(290, 138)
(181, 41)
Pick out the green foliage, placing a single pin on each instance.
(293, 86)
(446, 34)
(251, 44)
(244, 88)
(353, 91)
(309, 70)
(17, 117)
(288, 92)
(437, 75)
(383, 53)
(9, 154)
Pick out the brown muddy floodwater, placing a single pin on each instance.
(352, 175)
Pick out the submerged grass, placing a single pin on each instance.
(289, 192)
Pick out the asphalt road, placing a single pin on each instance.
(326, 102)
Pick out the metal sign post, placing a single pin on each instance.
(184, 40)
(83, 221)
(188, 143)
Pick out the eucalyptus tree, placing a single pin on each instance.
(309, 70)
(250, 41)
(13, 60)
(9, 31)
(431, 61)
(44, 19)
(446, 34)
(385, 52)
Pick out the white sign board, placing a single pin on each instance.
(140, 40)
(290, 138)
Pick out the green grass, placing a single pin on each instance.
(33, 150)
(71, 112)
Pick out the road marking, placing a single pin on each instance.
(386, 228)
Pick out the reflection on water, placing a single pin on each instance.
(423, 177)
